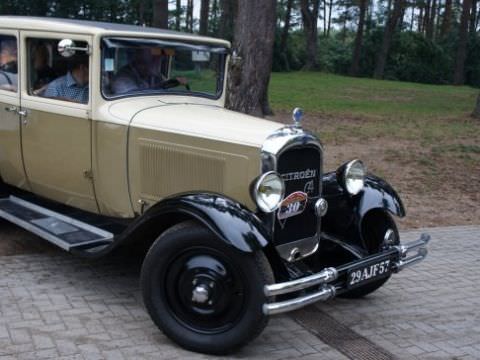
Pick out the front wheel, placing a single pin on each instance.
(375, 225)
(202, 293)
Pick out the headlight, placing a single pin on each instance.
(354, 177)
(268, 191)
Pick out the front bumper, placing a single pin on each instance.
(329, 281)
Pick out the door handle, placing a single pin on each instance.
(23, 113)
(10, 108)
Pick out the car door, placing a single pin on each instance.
(56, 131)
(11, 165)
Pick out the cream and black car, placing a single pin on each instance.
(115, 135)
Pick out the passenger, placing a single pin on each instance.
(74, 85)
(8, 56)
(8, 65)
(44, 74)
(139, 74)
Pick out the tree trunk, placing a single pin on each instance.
(160, 14)
(253, 39)
(324, 17)
(189, 19)
(431, 21)
(387, 38)
(412, 17)
(204, 12)
(420, 20)
(359, 38)
(389, 9)
(473, 18)
(309, 9)
(228, 12)
(426, 17)
(141, 12)
(330, 7)
(459, 73)
(476, 111)
(477, 22)
(284, 35)
(178, 14)
(447, 18)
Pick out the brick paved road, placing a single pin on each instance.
(53, 305)
(430, 311)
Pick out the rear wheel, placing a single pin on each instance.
(202, 293)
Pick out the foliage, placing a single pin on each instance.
(414, 55)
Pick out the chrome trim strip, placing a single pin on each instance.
(325, 293)
(106, 236)
(325, 276)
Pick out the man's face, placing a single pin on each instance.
(81, 75)
(8, 53)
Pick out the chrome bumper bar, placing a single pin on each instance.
(327, 278)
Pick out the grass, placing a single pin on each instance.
(204, 80)
(339, 95)
(376, 108)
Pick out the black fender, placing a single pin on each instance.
(346, 212)
(229, 220)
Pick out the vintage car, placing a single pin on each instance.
(115, 135)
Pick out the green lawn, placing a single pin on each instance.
(366, 108)
(333, 94)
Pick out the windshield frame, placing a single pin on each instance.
(224, 52)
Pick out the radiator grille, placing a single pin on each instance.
(301, 169)
(167, 170)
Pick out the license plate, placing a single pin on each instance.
(366, 273)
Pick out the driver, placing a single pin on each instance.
(139, 74)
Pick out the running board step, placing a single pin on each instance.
(59, 229)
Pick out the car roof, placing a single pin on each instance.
(97, 27)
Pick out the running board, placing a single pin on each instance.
(59, 229)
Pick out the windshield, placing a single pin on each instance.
(151, 67)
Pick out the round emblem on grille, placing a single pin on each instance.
(292, 205)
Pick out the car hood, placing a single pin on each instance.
(206, 121)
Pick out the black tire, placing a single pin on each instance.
(374, 228)
(188, 258)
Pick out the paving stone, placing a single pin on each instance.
(53, 305)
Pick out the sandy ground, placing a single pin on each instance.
(436, 190)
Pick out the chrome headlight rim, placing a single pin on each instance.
(256, 191)
(349, 176)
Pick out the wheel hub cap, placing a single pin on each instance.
(200, 294)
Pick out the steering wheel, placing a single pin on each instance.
(171, 83)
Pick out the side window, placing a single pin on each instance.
(51, 75)
(8, 63)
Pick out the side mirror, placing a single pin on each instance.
(67, 48)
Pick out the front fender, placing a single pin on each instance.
(345, 212)
(232, 222)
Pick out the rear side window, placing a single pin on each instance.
(51, 75)
(8, 63)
